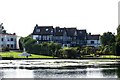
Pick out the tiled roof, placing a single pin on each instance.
(59, 31)
(71, 31)
(43, 30)
(81, 34)
(93, 37)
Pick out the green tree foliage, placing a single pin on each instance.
(45, 48)
(107, 39)
(118, 41)
(26, 42)
(88, 50)
(72, 52)
(54, 48)
(20, 43)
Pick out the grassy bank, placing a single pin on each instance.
(16, 55)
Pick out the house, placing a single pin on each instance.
(7, 39)
(81, 37)
(93, 40)
(65, 36)
(60, 35)
(71, 36)
(43, 33)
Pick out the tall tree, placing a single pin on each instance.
(24, 42)
(107, 39)
(118, 41)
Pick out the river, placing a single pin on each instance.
(60, 68)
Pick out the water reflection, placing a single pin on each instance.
(91, 70)
(110, 72)
(1, 74)
(118, 72)
(60, 73)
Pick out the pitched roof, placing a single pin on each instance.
(93, 37)
(71, 31)
(59, 31)
(43, 30)
(81, 34)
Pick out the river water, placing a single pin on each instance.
(60, 68)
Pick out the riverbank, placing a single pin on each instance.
(9, 58)
(16, 56)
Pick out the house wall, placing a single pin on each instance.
(35, 37)
(95, 44)
(43, 37)
(8, 40)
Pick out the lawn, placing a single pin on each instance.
(109, 56)
(16, 55)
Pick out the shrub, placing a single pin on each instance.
(4, 49)
(69, 53)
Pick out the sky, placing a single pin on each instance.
(96, 16)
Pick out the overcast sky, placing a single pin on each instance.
(97, 16)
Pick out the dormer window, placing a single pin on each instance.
(47, 29)
(37, 30)
(51, 31)
(80, 32)
(59, 30)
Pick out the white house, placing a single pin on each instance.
(93, 40)
(7, 39)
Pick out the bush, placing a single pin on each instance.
(4, 49)
(69, 53)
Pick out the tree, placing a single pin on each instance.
(28, 43)
(54, 48)
(107, 39)
(118, 41)
(69, 52)
(25, 42)
(21, 43)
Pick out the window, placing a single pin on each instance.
(37, 30)
(7, 45)
(44, 37)
(2, 39)
(11, 39)
(60, 30)
(11, 45)
(51, 31)
(1, 45)
(47, 29)
(92, 42)
(80, 32)
(39, 37)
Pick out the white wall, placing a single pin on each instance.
(35, 36)
(5, 42)
(96, 43)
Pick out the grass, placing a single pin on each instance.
(16, 55)
(102, 56)
(109, 56)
